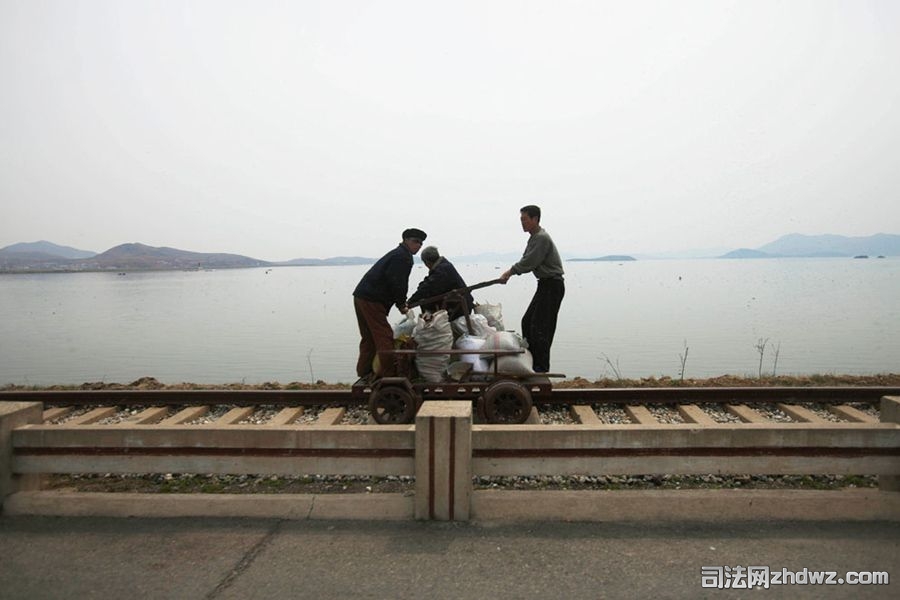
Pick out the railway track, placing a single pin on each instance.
(570, 396)
(828, 431)
(698, 406)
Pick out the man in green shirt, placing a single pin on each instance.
(541, 258)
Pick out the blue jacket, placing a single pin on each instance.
(442, 278)
(388, 280)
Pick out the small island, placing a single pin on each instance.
(609, 258)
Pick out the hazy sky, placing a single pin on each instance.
(312, 129)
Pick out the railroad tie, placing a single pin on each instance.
(584, 415)
(640, 415)
(800, 413)
(692, 413)
(845, 411)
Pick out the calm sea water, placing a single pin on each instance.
(297, 324)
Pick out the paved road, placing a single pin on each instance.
(44, 557)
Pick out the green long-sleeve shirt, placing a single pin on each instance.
(540, 257)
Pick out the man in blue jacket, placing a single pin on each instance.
(442, 278)
(384, 285)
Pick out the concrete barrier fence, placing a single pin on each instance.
(444, 450)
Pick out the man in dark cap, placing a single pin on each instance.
(442, 278)
(384, 285)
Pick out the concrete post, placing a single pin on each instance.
(12, 415)
(444, 460)
(890, 413)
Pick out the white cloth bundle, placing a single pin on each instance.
(406, 326)
(468, 342)
(434, 334)
(493, 313)
(480, 326)
(519, 364)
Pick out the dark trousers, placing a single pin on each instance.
(376, 338)
(539, 322)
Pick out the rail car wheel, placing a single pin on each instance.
(391, 405)
(507, 402)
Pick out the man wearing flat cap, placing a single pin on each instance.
(383, 286)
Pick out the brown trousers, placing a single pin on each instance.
(376, 339)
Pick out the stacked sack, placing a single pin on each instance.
(433, 334)
(488, 334)
(437, 333)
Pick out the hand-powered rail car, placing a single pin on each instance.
(500, 397)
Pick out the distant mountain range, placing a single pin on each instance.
(829, 245)
(608, 258)
(46, 256)
(49, 249)
(334, 261)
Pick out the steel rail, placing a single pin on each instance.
(723, 395)
(181, 397)
(674, 395)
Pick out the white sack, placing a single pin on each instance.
(468, 342)
(434, 334)
(406, 326)
(519, 364)
(456, 370)
(480, 326)
(493, 313)
(504, 340)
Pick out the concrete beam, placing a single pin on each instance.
(381, 507)
(622, 506)
(687, 435)
(12, 416)
(724, 505)
(444, 460)
(890, 413)
(235, 449)
(791, 448)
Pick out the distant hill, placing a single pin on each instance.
(140, 257)
(46, 256)
(126, 257)
(798, 245)
(335, 261)
(747, 253)
(487, 257)
(608, 258)
(47, 248)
